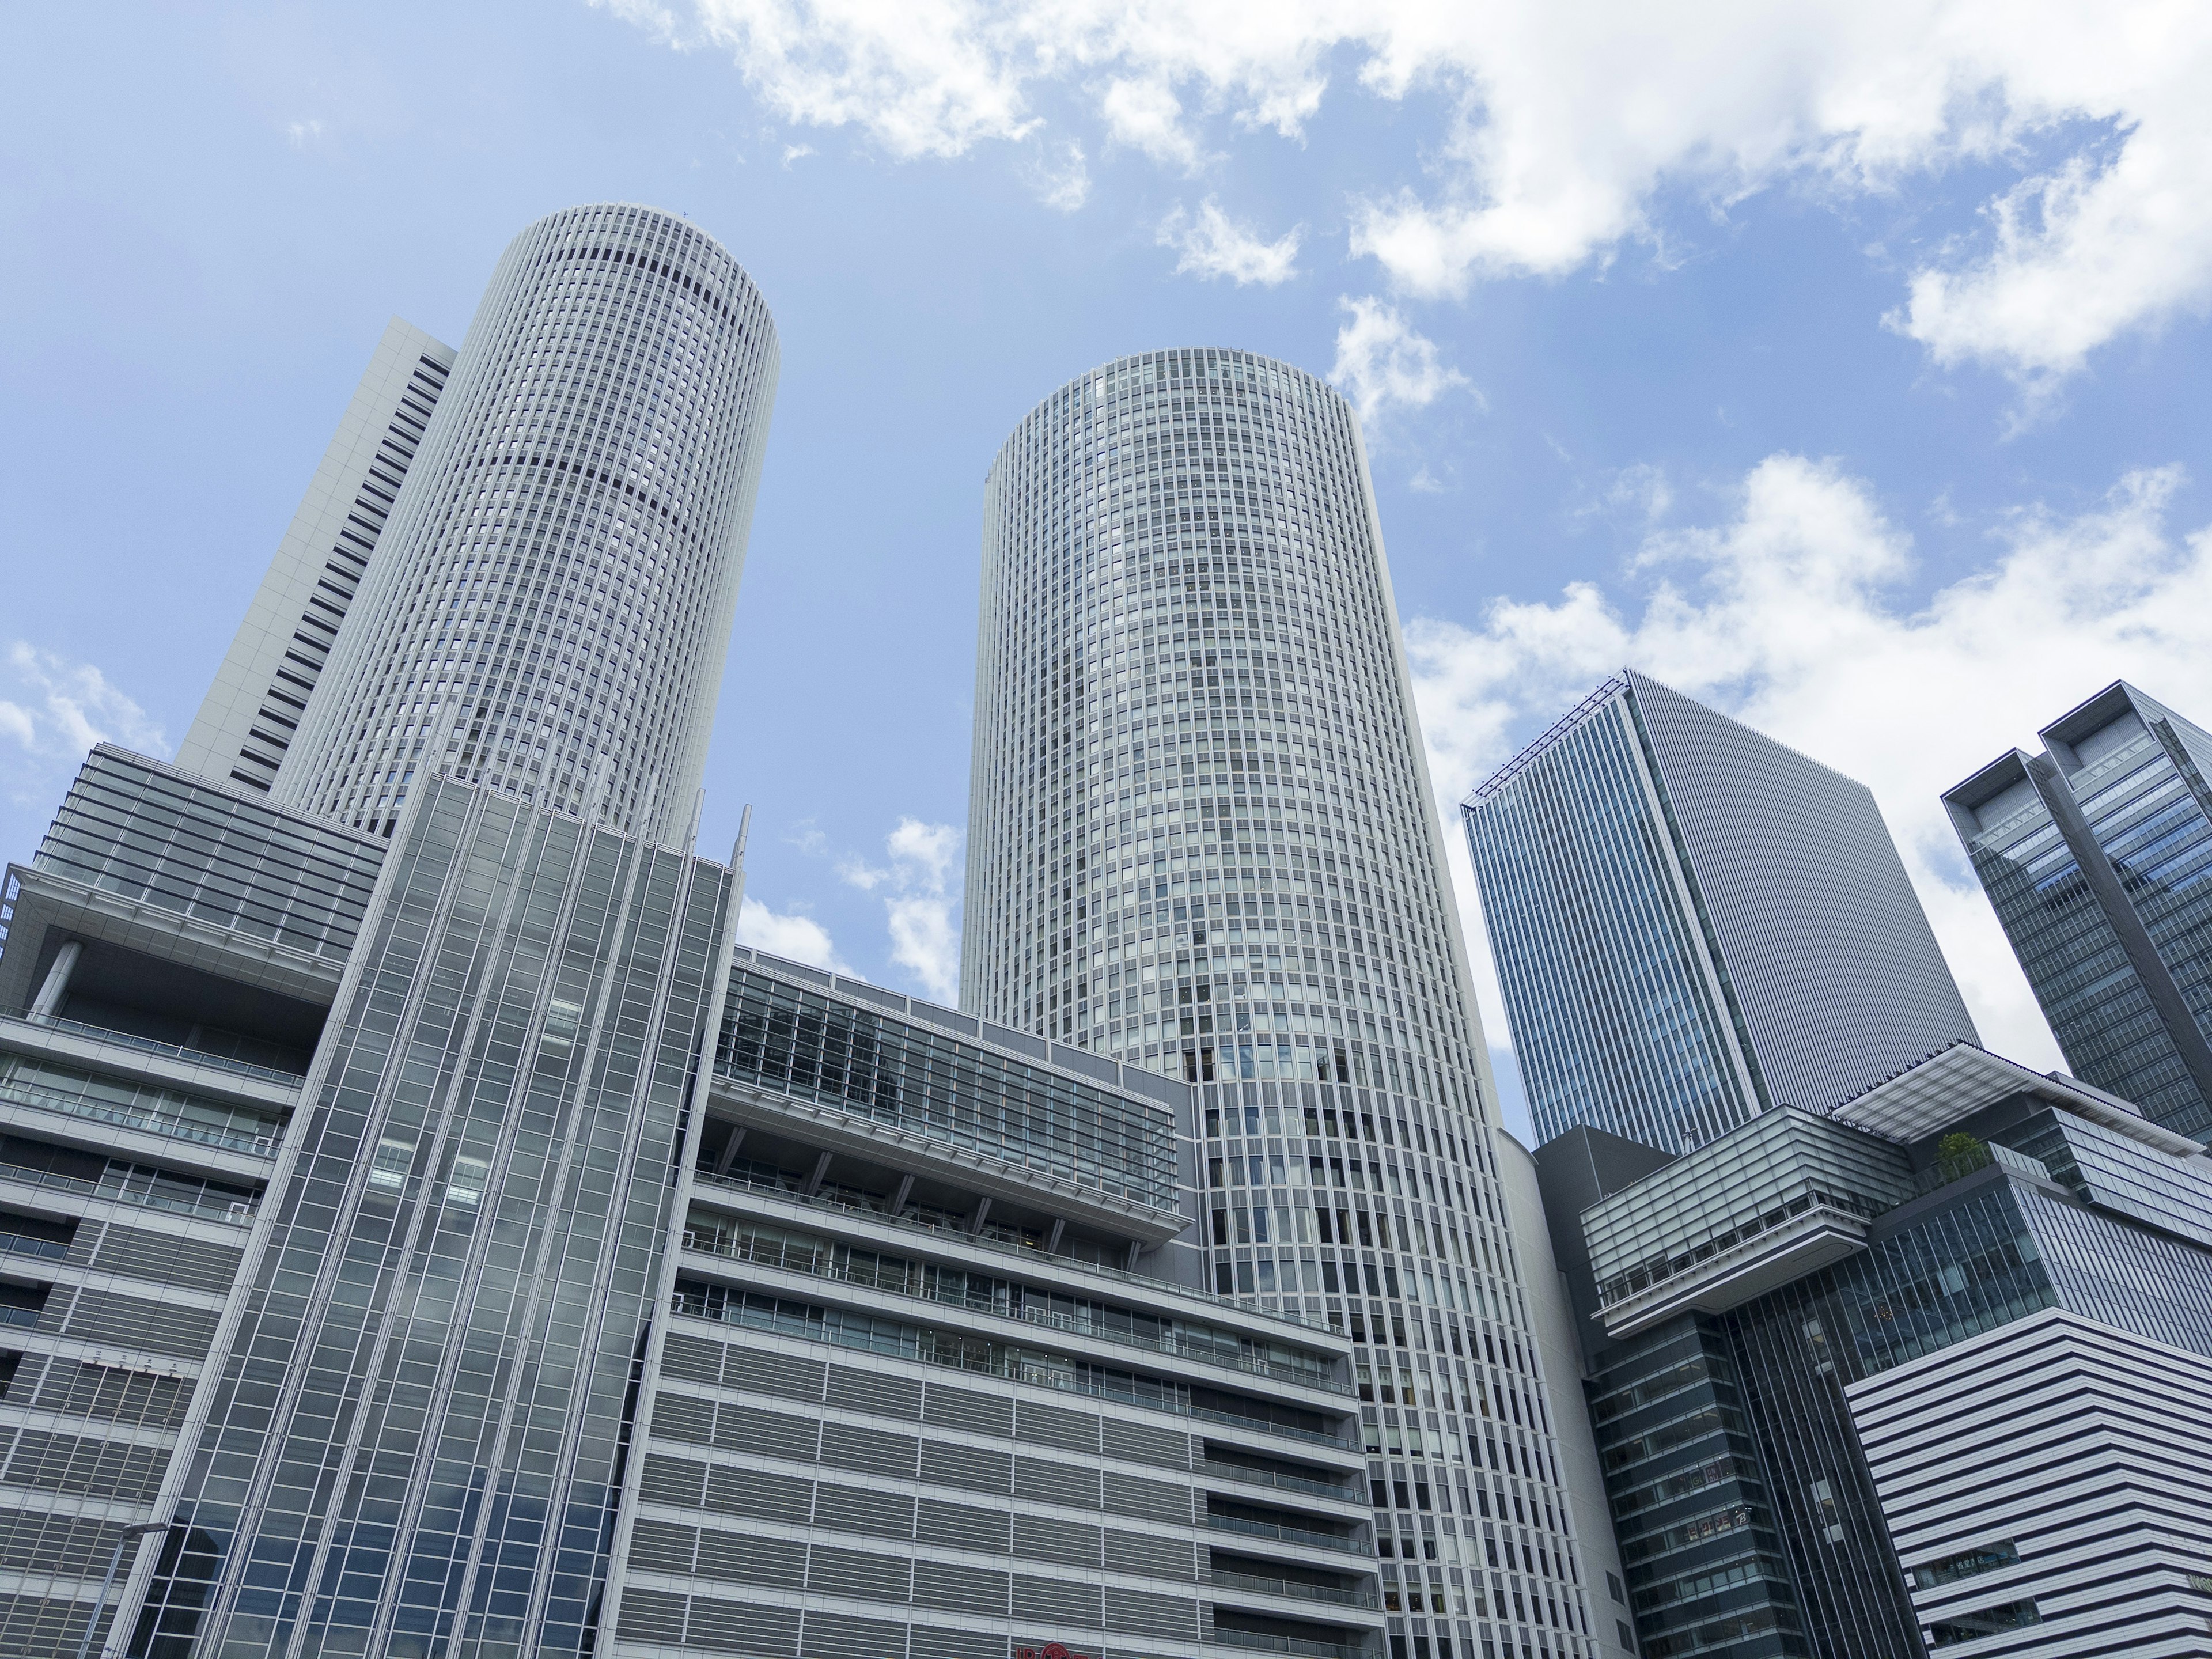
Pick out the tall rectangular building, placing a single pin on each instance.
(2095, 853)
(253, 711)
(1693, 923)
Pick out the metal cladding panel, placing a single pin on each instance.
(412, 1420)
(1835, 969)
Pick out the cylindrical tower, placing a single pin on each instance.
(1202, 840)
(550, 602)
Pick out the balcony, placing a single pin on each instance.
(871, 1274)
(1279, 1532)
(128, 1184)
(1261, 1642)
(47, 1099)
(1000, 1240)
(1327, 1594)
(1333, 1490)
(147, 1045)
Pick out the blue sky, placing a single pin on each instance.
(1846, 371)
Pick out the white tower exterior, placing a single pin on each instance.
(253, 711)
(1202, 838)
(550, 602)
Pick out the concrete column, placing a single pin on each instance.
(56, 986)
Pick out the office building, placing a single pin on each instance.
(1926, 1371)
(422, 1223)
(1693, 924)
(1202, 842)
(548, 607)
(253, 711)
(463, 1248)
(2093, 854)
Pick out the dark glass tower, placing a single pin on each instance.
(1693, 923)
(2095, 853)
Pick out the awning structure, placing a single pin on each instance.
(1955, 1082)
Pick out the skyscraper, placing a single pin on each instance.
(1692, 923)
(548, 605)
(2095, 855)
(253, 711)
(434, 1237)
(1202, 840)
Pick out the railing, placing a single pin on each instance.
(817, 1263)
(1959, 1165)
(1014, 1369)
(147, 1045)
(1285, 1535)
(24, 1317)
(239, 1214)
(84, 1106)
(1297, 1645)
(52, 1249)
(1512, 768)
(1034, 1254)
(1265, 1425)
(1291, 1587)
(1274, 1478)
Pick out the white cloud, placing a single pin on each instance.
(1783, 616)
(62, 708)
(1381, 363)
(794, 936)
(1211, 244)
(920, 904)
(1059, 176)
(301, 135)
(1559, 126)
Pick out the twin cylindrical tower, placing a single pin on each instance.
(1202, 838)
(552, 600)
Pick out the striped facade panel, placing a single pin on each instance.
(2046, 1484)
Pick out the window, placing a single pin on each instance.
(1985, 1621)
(1952, 1568)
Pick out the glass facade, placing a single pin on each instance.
(1620, 1018)
(1202, 841)
(1979, 1253)
(411, 1437)
(2013, 1226)
(2098, 859)
(146, 832)
(1692, 923)
(785, 1039)
(1697, 1537)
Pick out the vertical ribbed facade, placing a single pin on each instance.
(550, 603)
(1202, 840)
(1692, 922)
